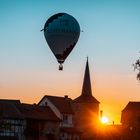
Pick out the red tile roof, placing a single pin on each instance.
(132, 106)
(13, 109)
(63, 104)
(9, 110)
(38, 112)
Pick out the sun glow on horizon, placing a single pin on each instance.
(104, 120)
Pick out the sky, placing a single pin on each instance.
(110, 39)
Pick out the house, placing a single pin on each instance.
(62, 108)
(27, 122)
(130, 119)
(12, 123)
(41, 122)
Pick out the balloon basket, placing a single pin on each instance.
(60, 67)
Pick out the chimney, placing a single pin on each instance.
(66, 96)
(101, 114)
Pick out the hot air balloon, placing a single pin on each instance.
(61, 32)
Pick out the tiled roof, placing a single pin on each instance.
(63, 104)
(9, 110)
(10, 101)
(132, 106)
(13, 109)
(37, 112)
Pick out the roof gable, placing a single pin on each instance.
(63, 104)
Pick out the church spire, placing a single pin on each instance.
(86, 89)
(86, 94)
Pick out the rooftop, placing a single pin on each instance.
(132, 106)
(13, 109)
(63, 104)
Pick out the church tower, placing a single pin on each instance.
(86, 107)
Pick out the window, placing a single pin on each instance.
(65, 118)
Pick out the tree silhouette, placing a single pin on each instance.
(136, 66)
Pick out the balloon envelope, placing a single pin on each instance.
(61, 32)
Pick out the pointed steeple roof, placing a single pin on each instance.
(86, 94)
(86, 89)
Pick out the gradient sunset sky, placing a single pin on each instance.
(111, 40)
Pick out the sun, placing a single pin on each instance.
(104, 120)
